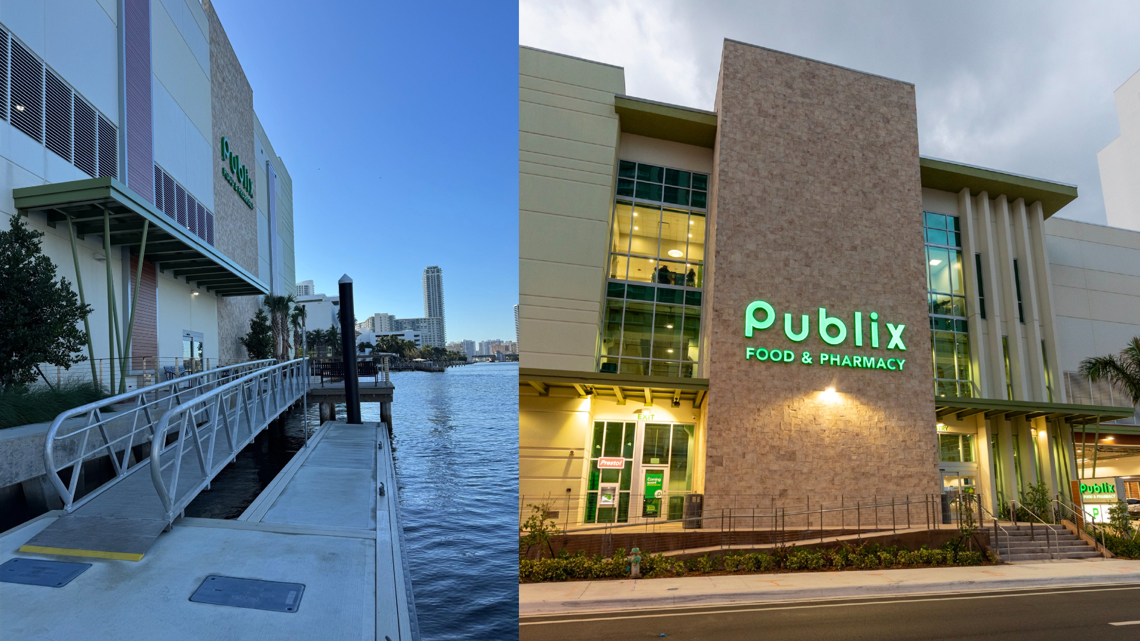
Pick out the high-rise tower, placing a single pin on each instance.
(433, 303)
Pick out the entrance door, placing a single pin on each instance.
(654, 480)
(956, 484)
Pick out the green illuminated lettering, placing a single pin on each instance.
(846, 361)
(896, 336)
(891, 364)
(789, 356)
(805, 326)
(750, 322)
(825, 322)
(858, 329)
(806, 358)
(748, 353)
(901, 361)
(881, 365)
(874, 330)
(761, 356)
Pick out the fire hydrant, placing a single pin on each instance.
(635, 564)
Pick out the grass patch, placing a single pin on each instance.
(25, 404)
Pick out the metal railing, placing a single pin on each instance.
(373, 365)
(238, 410)
(142, 371)
(118, 421)
(1080, 521)
(1015, 506)
(998, 529)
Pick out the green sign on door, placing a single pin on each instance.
(654, 486)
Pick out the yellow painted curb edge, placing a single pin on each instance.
(118, 556)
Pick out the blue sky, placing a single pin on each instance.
(398, 124)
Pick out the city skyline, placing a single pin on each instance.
(377, 143)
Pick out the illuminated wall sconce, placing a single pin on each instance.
(830, 395)
(195, 292)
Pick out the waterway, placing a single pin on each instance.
(456, 453)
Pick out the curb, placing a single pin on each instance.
(547, 608)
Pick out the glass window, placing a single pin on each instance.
(618, 266)
(655, 450)
(670, 273)
(680, 470)
(615, 290)
(691, 336)
(938, 269)
(665, 368)
(623, 222)
(670, 295)
(635, 367)
(676, 196)
(627, 169)
(677, 178)
(611, 327)
(700, 181)
(947, 294)
(697, 199)
(693, 298)
(638, 330)
(667, 332)
(647, 191)
(674, 234)
(611, 439)
(650, 173)
(949, 448)
(639, 292)
(696, 238)
(625, 188)
(646, 227)
(643, 270)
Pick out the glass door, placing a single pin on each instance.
(654, 480)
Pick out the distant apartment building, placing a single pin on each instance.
(467, 347)
(430, 328)
(369, 336)
(152, 120)
(305, 288)
(433, 303)
(377, 323)
(320, 310)
(489, 347)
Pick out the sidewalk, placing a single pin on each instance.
(583, 596)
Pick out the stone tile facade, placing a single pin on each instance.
(815, 204)
(235, 223)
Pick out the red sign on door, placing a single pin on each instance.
(611, 463)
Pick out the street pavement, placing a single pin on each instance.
(1103, 613)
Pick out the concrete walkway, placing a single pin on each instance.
(328, 521)
(583, 596)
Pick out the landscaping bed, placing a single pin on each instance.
(576, 567)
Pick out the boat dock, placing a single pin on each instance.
(318, 554)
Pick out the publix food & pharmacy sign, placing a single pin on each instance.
(1097, 497)
(833, 330)
(237, 175)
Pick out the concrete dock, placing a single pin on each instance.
(328, 521)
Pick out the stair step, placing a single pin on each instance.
(1043, 556)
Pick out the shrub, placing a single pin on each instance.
(705, 564)
(732, 562)
(21, 405)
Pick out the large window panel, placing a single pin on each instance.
(667, 332)
(638, 330)
(938, 266)
(691, 336)
(623, 223)
(646, 227)
(611, 326)
(674, 235)
(642, 270)
(696, 238)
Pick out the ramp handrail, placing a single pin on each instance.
(257, 397)
(1032, 535)
(1084, 525)
(147, 402)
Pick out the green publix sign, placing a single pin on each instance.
(238, 175)
(760, 315)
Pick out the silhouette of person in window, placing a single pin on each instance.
(691, 278)
(664, 275)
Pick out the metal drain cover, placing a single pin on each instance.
(53, 574)
(250, 593)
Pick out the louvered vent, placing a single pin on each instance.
(84, 136)
(57, 107)
(158, 187)
(27, 92)
(180, 201)
(210, 228)
(3, 75)
(170, 194)
(201, 221)
(192, 214)
(108, 149)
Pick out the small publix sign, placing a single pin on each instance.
(237, 176)
(832, 330)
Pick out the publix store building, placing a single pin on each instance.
(780, 302)
(128, 137)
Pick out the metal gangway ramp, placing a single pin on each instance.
(166, 442)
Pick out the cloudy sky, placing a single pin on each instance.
(1025, 87)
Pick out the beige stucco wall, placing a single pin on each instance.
(235, 224)
(816, 176)
(568, 137)
(665, 153)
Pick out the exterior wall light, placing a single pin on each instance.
(19, 107)
(830, 395)
(940, 425)
(195, 293)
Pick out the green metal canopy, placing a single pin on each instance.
(173, 247)
(997, 408)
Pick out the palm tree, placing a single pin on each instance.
(332, 337)
(279, 308)
(1121, 371)
(297, 322)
